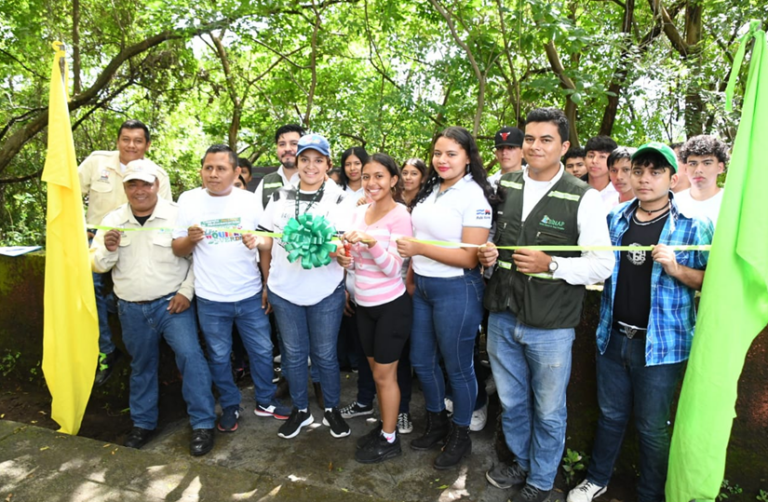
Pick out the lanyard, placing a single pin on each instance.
(318, 195)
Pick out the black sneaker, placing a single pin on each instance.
(333, 419)
(372, 434)
(505, 476)
(356, 410)
(531, 494)
(378, 450)
(228, 419)
(201, 443)
(138, 437)
(106, 366)
(292, 426)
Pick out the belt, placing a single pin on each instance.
(630, 332)
(148, 301)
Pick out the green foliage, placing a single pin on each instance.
(386, 73)
(574, 465)
(8, 362)
(762, 496)
(726, 490)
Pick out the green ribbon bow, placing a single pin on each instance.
(309, 238)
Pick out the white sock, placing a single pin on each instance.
(389, 436)
(329, 409)
(303, 411)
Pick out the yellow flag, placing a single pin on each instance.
(71, 327)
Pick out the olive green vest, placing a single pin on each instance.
(271, 183)
(537, 300)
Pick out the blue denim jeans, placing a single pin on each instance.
(143, 326)
(311, 331)
(216, 319)
(105, 303)
(625, 383)
(531, 367)
(447, 312)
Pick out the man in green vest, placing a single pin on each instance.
(535, 300)
(286, 142)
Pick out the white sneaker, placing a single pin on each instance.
(449, 406)
(479, 419)
(585, 491)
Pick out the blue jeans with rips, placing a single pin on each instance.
(311, 331)
(531, 367)
(447, 312)
(216, 319)
(624, 383)
(143, 327)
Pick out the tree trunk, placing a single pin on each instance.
(694, 104)
(617, 83)
(76, 68)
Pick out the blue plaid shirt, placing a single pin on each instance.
(673, 317)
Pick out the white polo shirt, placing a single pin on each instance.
(443, 216)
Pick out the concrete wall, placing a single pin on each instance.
(21, 329)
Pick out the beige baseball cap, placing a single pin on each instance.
(141, 169)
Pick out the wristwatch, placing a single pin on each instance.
(552, 265)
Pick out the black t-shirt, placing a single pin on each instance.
(142, 219)
(632, 302)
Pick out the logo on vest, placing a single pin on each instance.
(548, 222)
(636, 258)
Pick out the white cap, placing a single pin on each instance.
(141, 169)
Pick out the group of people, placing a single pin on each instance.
(421, 254)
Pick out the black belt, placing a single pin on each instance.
(629, 332)
(145, 302)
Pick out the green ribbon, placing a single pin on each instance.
(309, 238)
(314, 237)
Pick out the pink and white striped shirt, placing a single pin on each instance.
(377, 269)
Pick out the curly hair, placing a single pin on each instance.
(705, 145)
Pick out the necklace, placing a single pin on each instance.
(651, 211)
(318, 195)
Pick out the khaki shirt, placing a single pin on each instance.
(144, 267)
(101, 179)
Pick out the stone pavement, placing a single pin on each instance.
(251, 464)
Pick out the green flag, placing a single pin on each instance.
(734, 299)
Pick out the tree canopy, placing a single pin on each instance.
(386, 74)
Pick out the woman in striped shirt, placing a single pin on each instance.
(384, 307)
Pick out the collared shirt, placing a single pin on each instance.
(101, 179)
(442, 216)
(143, 267)
(286, 182)
(592, 266)
(610, 197)
(673, 316)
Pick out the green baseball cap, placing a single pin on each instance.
(659, 147)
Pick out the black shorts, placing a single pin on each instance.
(384, 329)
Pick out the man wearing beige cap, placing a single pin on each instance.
(154, 290)
(101, 180)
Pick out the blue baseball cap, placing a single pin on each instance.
(314, 142)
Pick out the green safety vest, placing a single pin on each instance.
(271, 183)
(536, 300)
